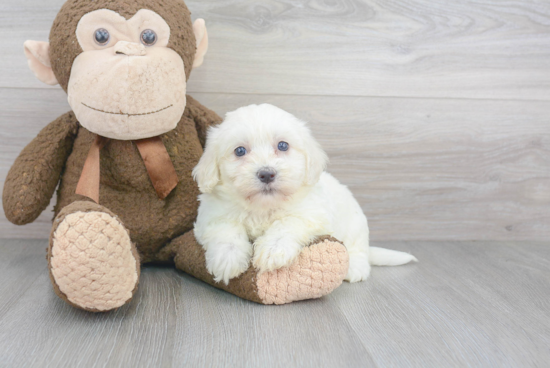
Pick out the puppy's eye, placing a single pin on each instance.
(283, 146)
(148, 37)
(101, 36)
(240, 151)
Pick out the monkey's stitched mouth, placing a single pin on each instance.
(127, 114)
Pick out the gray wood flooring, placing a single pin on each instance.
(474, 304)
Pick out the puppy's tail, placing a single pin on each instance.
(387, 257)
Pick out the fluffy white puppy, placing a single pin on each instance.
(266, 196)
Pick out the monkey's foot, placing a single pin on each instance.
(319, 269)
(93, 263)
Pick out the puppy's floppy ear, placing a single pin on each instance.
(206, 173)
(316, 158)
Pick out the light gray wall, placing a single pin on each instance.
(435, 114)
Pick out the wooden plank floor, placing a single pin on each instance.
(463, 304)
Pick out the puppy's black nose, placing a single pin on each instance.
(266, 175)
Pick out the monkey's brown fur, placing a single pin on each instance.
(64, 47)
(160, 229)
(125, 187)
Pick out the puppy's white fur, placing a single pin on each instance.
(241, 218)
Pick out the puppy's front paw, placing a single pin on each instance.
(273, 253)
(226, 260)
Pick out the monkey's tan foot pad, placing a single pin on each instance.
(93, 263)
(319, 270)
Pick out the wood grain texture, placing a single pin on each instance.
(467, 49)
(463, 304)
(420, 168)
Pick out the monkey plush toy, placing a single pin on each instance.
(122, 159)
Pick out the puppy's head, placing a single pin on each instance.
(260, 152)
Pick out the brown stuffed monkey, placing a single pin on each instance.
(122, 159)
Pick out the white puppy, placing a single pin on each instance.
(266, 196)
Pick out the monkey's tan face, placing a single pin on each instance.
(126, 84)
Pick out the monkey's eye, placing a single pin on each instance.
(283, 146)
(240, 151)
(101, 36)
(148, 37)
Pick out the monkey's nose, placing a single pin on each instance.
(266, 175)
(130, 48)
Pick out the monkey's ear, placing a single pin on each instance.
(201, 35)
(38, 55)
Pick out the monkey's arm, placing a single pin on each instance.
(202, 116)
(33, 177)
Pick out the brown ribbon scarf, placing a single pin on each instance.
(155, 157)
